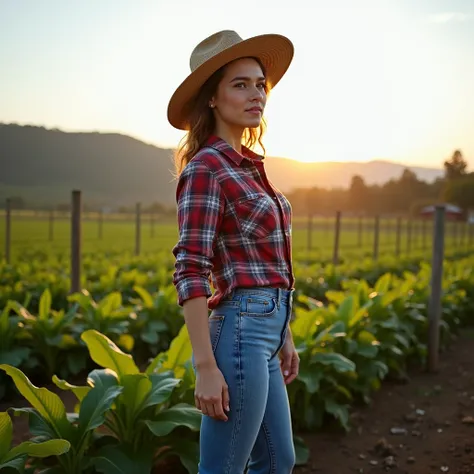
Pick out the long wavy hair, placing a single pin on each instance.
(202, 123)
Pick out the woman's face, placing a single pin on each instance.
(241, 95)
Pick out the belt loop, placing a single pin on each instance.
(278, 297)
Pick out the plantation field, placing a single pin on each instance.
(115, 357)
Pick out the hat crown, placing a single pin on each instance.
(211, 46)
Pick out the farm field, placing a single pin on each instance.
(118, 355)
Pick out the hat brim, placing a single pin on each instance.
(274, 51)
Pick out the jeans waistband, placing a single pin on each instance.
(280, 294)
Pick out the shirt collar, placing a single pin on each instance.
(221, 145)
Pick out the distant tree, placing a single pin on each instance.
(461, 192)
(408, 177)
(456, 167)
(358, 194)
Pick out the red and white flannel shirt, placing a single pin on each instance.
(234, 225)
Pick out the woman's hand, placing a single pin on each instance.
(289, 360)
(211, 393)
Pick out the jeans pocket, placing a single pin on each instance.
(259, 306)
(215, 321)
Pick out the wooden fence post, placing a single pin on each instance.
(337, 229)
(76, 241)
(137, 229)
(8, 230)
(310, 232)
(51, 225)
(399, 237)
(434, 309)
(359, 232)
(100, 219)
(376, 237)
(409, 234)
(152, 224)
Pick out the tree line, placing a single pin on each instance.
(406, 195)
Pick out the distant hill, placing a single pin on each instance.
(43, 166)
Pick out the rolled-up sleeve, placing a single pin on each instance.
(200, 207)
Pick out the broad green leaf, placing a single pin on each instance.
(396, 350)
(338, 411)
(337, 297)
(383, 283)
(367, 350)
(304, 325)
(178, 415)
(301, 451)
(14, 356)
(104, 378)
(18, 463)
(83, 298)
(106, 354)
(48, 404)
(79, 391)
(331, 332)
(144, 295)
(361, 313)
(179, 352)
(338, 361)
(126, 341)
(94, 406)
(110, 303)
(365, 337)
(348, 308)
(38, 426)
(45, 305)
(136, 389)
(113, 460)
(6, 434)
(162, 386)
(402, 340)
(311, 377)
(53, 447)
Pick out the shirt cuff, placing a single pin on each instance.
(192, 287)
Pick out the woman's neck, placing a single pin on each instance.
(232, 137)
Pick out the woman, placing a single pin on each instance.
(235, 232)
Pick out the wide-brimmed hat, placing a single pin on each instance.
(274, 51)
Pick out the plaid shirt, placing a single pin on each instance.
(234, 225)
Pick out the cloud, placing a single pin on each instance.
(447, 17)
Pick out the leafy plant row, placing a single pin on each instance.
(126, 416)
(125, 420)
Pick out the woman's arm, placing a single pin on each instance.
(200, 209)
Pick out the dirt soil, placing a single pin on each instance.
(423, 426)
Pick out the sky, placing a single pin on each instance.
(370, 79)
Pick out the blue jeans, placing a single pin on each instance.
(247, 331)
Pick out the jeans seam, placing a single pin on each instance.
(238, 415)
(271, 449)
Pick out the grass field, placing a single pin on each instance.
(117, 233)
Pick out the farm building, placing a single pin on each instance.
(453, 212)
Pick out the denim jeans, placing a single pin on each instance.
(247, 331)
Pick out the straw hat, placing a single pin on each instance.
(274, 51)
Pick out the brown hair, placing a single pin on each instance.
(202, 123)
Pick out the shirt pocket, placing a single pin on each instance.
(256, 215)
